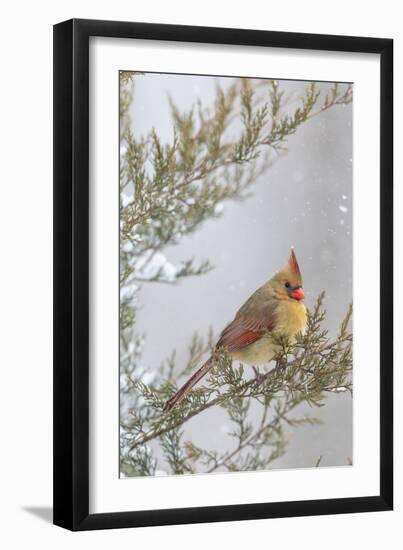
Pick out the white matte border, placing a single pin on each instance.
(108, 493)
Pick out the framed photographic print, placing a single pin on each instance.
(223, 274)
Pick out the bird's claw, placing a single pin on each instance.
(259, 377)
(281, 364)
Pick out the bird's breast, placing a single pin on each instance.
(290, 318)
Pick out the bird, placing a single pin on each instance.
(275, 310)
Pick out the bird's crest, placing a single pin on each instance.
(291, 271)
(293, 264)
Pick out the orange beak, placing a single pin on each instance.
(298, 294)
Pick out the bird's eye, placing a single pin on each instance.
(287, 285)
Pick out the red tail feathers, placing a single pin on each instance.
(184, 390)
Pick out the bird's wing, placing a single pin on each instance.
(253, 320)
(242, 332)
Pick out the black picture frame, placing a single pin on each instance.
(71, 274)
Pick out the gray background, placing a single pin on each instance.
(303, 200)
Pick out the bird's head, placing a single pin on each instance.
(287, 283)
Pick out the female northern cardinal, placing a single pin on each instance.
(275, 309)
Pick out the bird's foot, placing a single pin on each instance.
(259, 377)
(281, 364)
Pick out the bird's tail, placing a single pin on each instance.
(184, 390)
